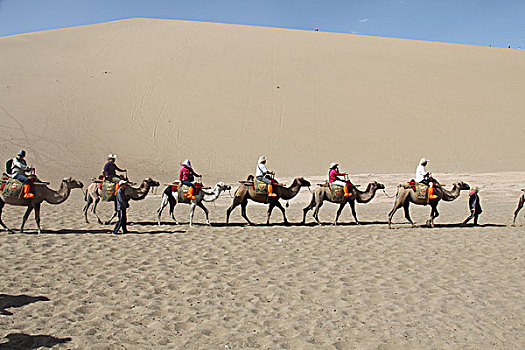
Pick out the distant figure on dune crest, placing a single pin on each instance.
(186, 177)
(521, 202)
(474, 206)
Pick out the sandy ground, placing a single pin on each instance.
(292, 287)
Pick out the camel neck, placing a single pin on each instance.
(57, 197)
(290, 192)
(366, 196)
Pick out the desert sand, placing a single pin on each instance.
(156, 92)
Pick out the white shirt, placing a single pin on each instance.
(420, 173)
(261, 170)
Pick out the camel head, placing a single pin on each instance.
(72, 183)
(303, 182)
(378, 185)
(223, 187)
(463, 186)
(151, 182)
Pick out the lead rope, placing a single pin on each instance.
(386, 194)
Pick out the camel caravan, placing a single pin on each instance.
(19, 186)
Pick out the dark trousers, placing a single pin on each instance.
(473, 215)
(122, 222)
(187, 183)
(22, 178)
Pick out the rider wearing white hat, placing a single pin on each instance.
(333, 174)
(423, 176)
(261, 174)
(186, 177)
(110, 169)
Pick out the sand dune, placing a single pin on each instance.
(158, 91)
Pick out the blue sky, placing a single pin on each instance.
(479, 22)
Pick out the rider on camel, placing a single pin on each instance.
(110, 169)
(186, 177)
(261, 174)
(424, 177)
(333, 179)
(19, 168)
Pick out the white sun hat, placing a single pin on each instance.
(262, 159)
(333, 164)
(187, 163)
(112, 156)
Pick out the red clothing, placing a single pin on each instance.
(333, 174)
(185, 174)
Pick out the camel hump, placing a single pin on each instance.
(250, 178)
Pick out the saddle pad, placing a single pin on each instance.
(421, 191)
(182, 194)
(108, 190)
(260, 187)
(337, 193)
(13, 188)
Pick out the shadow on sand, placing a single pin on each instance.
(9, 301)
(21, 341)
(108, 230)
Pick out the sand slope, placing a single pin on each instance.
(158, 91)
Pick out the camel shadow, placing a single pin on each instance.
(66, 231)
(361, 223)
(21, 341)
(459, 225)
(9, 301)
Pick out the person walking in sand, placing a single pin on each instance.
(474, 206)
(422, 176)
(261, 174)
(122, 207)
(186, 177)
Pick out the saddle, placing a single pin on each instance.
(262, 187)
(183, 191)
(420, 189)
(12, 188)
(108, 190)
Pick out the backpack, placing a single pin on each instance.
(9, 166)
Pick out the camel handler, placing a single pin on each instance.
(261, 174)
(333, 174)
(186, 177)
(474, 206)
(122, 207)
(19, 168)
(422, 176)
(110, 169)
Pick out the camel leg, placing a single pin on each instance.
(94, 210)
(520, 205)
(192, 211)
(89, 200)
(407, 213)
(173, 203)
(278, 205)
(37, 217)
(114, 214)
(236, 201)
(316, 211)
(161, 208)
(352, 205)
(206, 211)
(341, 207)
(1, 222)
(243, 211)
(269, 213)
(308, 208)
(24, 218)
(433, 214)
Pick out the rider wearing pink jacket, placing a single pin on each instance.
(333, 178)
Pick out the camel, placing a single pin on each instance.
(405, 196)
(321, 194)
(246, 191)
(42, 194)
(202, 196)
(93, 196)
(521, 202)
